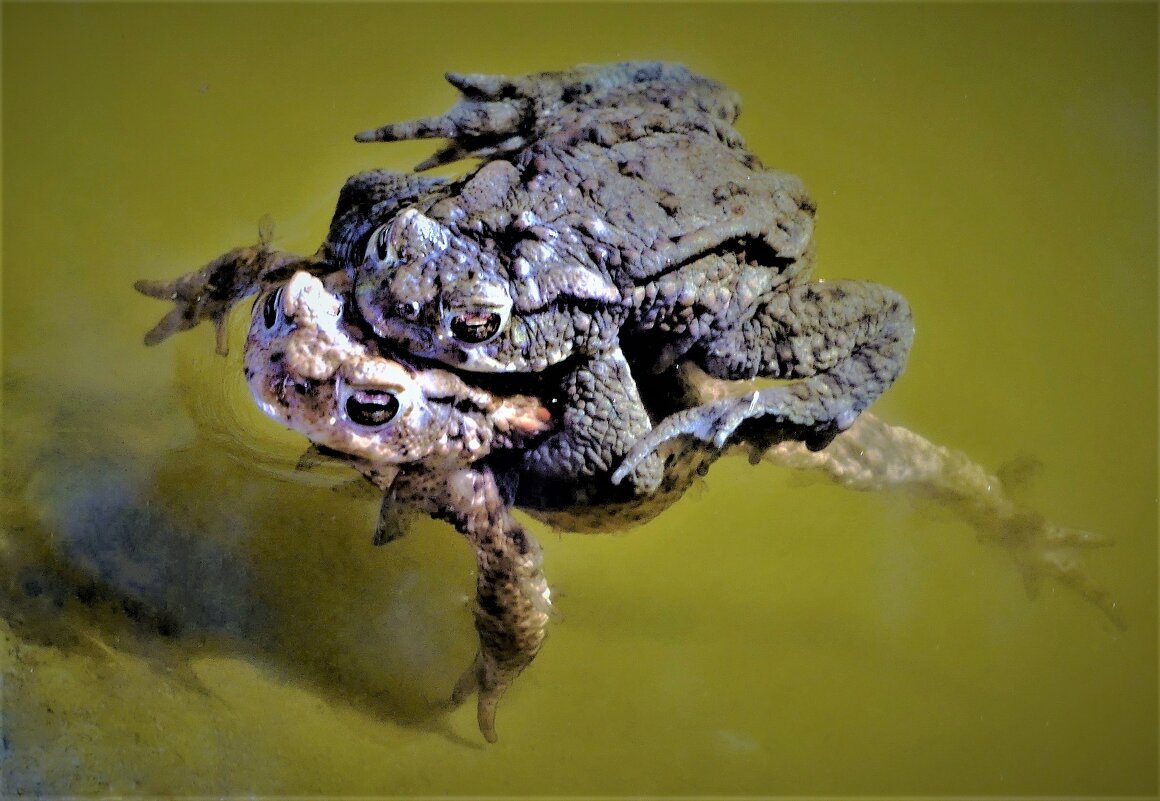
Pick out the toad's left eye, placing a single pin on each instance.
(372, 408)
(272, 309)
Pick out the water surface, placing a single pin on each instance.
(185, 614)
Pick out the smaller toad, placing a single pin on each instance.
(418, 435)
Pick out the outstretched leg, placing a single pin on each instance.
(512, 602)
(499, 115)
(872, 455)
(211, 292)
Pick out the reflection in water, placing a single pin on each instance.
(119, 541)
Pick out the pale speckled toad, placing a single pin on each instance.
(416, 434)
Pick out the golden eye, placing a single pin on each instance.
(372, 408)
(476, 327)
(409, 310)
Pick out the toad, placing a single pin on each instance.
(618, 225)
(416, 435)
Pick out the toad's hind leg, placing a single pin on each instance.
(512, 602)
(848, 340)
(841, 344)
(873, 456)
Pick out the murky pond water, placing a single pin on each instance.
(186, 613)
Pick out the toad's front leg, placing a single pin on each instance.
(512, 599)
(211, 292)
(601, 416)
(499, 115)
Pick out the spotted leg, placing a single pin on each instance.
(211, 292)
(872, 455)
(512, 602)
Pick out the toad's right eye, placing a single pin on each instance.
(272, 309)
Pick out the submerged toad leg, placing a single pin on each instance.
(872, 455)
(841, 344)
(601, 415)
(512, 603)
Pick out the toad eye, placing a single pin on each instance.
(272, 309)
(379, 247)
(476, 327)
(372, 408)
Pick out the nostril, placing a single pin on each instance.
(408, 310)
(372, 409)
(475, 327)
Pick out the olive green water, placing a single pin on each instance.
(186, 615)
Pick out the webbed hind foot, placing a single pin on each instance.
(1041, 549)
